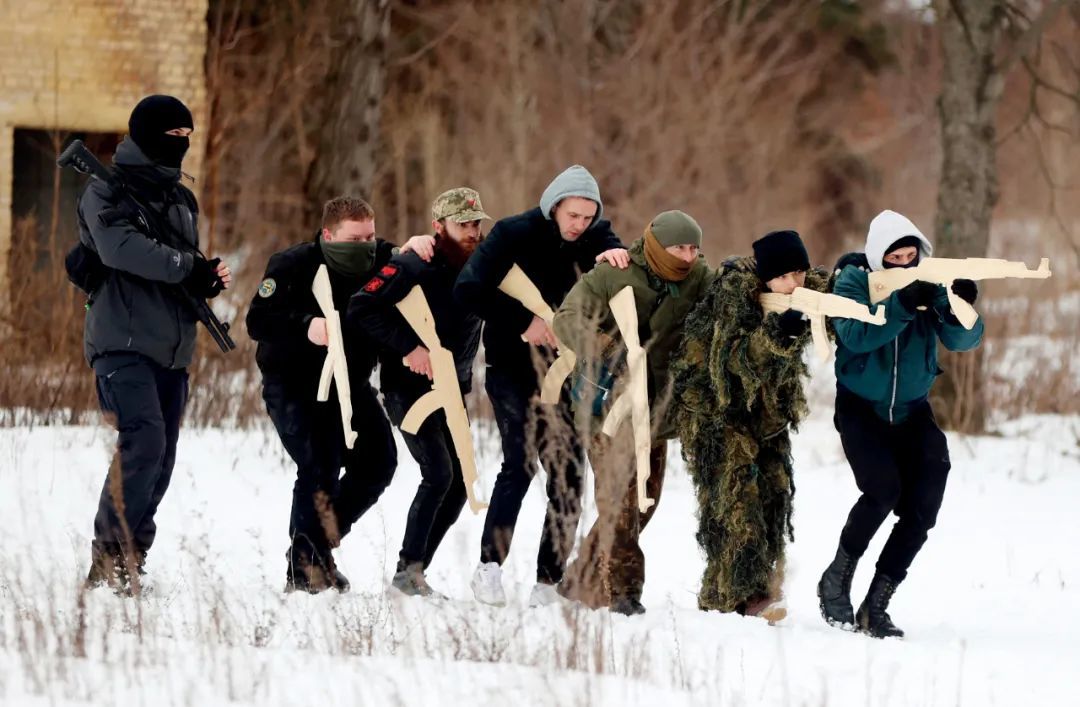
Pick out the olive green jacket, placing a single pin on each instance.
(585, 324)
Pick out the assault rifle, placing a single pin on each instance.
(79, 158)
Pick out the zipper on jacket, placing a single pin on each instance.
(895, 376)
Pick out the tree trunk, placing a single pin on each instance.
(976, 63)
(348, 135)
(972, 85)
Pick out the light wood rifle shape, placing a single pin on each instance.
(944, 270)
(445, 393)
(635, 399)
(518, 285)
(818, 305)
(334, 367)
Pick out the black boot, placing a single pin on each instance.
(112, 568)
(627, 606)
(872, 617)
(311, 575)
(834, 590)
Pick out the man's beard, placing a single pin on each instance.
(456, 253)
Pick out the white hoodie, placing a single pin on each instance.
(887, 228)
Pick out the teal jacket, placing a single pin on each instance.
(894, 365)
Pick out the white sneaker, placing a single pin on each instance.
(487, 584)
(545, 595)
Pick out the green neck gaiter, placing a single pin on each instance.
(349, 258)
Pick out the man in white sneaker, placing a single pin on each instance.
(553, 245)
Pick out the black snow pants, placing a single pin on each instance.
(899, 468)
(325, 502)
(145, 403)
(529, 429)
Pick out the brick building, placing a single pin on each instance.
(75, 68)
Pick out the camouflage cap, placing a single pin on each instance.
(459, 205)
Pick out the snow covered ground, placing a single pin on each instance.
(992, 607)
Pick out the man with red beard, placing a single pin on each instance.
(456, 217)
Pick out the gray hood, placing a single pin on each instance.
(887, 228)
(574, 181)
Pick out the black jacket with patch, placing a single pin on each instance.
(534, 243)
(284, 306)
(373, 310)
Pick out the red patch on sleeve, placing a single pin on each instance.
(373, 285)
(388, 270)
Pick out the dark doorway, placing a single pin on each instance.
(43, 199)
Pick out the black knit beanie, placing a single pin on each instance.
(905, 242)
(778, 253)
(147, 125)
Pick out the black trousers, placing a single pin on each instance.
(529, 429)
(145, 402)
(899, 469)
(326, 503)
(441, 494)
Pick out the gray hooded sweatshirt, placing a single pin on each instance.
(573, 181)
(135, 310)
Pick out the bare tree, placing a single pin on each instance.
(348, 138)
(982, 41)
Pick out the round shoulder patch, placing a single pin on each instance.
(267, 287)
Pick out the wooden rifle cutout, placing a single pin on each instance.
(944, 271)
(518, 285)
(335, 366)
(818, 305)
(634, 400)
(445, 393)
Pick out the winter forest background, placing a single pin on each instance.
(749, 115)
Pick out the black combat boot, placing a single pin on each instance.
(627, 606)
(872, 617)
(110, 567)
(834, 590)
(304, 574)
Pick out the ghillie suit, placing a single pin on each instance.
(739, 383)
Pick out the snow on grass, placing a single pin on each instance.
(992, 606)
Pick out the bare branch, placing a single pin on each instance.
(1029, 40)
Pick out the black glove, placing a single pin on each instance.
(966, 290)
(203, 280)
(918, 294)
(792, 324)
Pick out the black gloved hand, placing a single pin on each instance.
(792, 324)
(966, 290)
(918, 294)
(203, 280)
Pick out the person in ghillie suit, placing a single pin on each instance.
(668, 276)
(738, 380)
(898, 455)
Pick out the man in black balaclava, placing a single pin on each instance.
(139, 336)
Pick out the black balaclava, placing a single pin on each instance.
(148, 123)
(906, 241)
